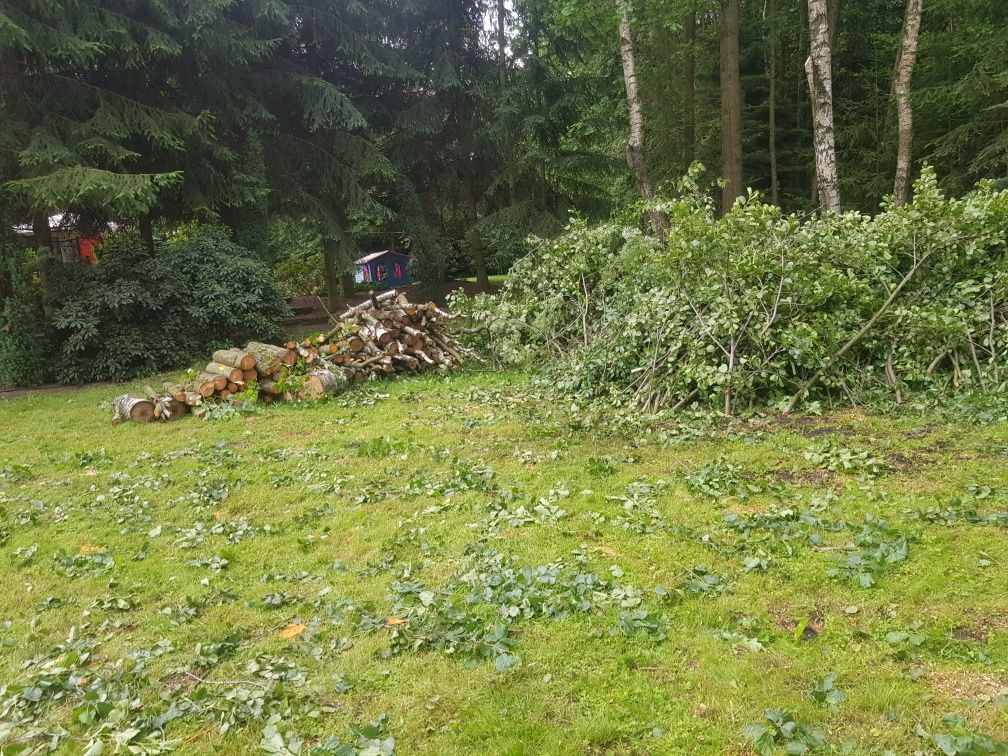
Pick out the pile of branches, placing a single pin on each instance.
(758, 310)
(383, 336)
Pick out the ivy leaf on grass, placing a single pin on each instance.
(826, 692)
(504, 662)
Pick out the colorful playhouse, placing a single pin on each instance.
(387, 268)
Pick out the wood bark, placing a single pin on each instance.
(132, 408)
(384, 335)
(818, 71)
(475, 240)
(147, 232)
(689, 96)
(235, 358)
(905, 60)
(208, 383)
(771, 12)
(332, 274)
(731, 105)
(285, 356)
(232, 374)
(636, 159)
(321, 383)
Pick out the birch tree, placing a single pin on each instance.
(818, 70)
(905, 60)
(636, 160)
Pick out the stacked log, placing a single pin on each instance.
(384, 335)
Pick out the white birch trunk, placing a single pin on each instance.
(905, 60)
(635, 143)
(818, 69)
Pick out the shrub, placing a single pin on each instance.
(135, 313)
(26, 340)
(742, 310)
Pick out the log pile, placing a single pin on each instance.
(383, 336)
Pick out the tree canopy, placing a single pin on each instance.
(466, 125)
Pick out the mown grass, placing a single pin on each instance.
(395, 491)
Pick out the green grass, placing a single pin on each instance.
(372, 518)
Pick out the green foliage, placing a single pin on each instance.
(780, 729)
(739, 311)
(26, 341)
(297, 255)
(826, 692)
(831, 456)
(133, 314)
(959, 740)
(877, 547)
(720, 479)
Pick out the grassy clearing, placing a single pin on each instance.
(463, 556)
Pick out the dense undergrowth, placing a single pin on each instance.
(757, 307)
(134, 312)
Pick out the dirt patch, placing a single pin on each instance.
(183, 680)
(984, 621)
(918, 433)
(968, 685)
(813, 628)
(967, 633)
(815, 477)
(899, 462)
(822, 430)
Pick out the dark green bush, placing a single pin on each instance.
(27, 346)
(135, 313)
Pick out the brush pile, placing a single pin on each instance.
(383, 336)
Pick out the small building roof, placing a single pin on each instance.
(375, 255)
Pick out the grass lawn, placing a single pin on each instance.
(495, 576)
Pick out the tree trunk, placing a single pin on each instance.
(818, 70)
(689, 123)
(339, 280)
(905, 60)
(479, 260)
(332, 275)
(41, 232)
(147, 232)
(731, 105)
(46, 265)
(772, 99)
(475, 241)
(635, 143)
(347, 283)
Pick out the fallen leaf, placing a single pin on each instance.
(89, 548)
(395, 621)
(218, 514)
(293, 630)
